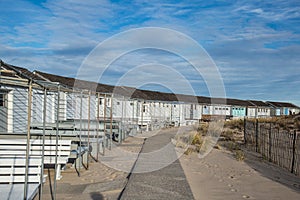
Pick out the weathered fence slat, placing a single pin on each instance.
(274, 143)
(294, 151)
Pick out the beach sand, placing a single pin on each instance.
(217, 176)
(220, 176)
(98, 182)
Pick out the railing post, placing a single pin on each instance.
(270, 142)
(294, 151)
(43, 147)
(28, 139)
(56, 142)
(98, 121)
(89, 127)
(104, 124)
(245, 140)
(80, 132)
(111, 121)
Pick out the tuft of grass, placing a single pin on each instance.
(239, 155)
(237, 124)
(189, 151)
(228, 134)
(197, 139)
(203, 128)
(231, 146)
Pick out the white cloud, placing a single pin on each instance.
(237, 34)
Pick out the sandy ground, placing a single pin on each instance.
(220, 176)
(217, 176)
(98, 182)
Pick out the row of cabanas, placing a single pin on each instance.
(128, 107)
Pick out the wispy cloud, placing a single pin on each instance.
(255, 43)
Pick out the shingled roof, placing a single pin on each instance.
(131, 92)
(258, 103)
(18, 71)
(223, 101)
(281, 104)
(75, 83)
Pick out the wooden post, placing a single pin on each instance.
(80, 132)
(245, 140)
(294, 151)
(125, 120)
(28, 138)
(43, 148)
(122, 123)
(89, 126)
(111, 120)
(132, 114)
(142, 117)
(270, 142)
(104, 123)
(256, 136)
(98, 121)
(56, 140)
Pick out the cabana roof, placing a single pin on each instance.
(281, 104)
(16, 72)
(258, 103)
(43, 78)
(75, 83)
(238, 102)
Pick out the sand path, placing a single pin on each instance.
(220, 176)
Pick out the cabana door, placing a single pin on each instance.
(3, 112)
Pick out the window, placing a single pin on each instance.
(118, 103)
(144, 108)
(131, 104)
(2, 100)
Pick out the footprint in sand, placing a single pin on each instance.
(233, 190)
(231, 177)
(246, 197)
(113, 176)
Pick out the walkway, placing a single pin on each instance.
(157, 173)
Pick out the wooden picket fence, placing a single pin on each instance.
(275, 144)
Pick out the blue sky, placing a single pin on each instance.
(255, 44)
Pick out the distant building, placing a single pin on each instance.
(283, 108)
